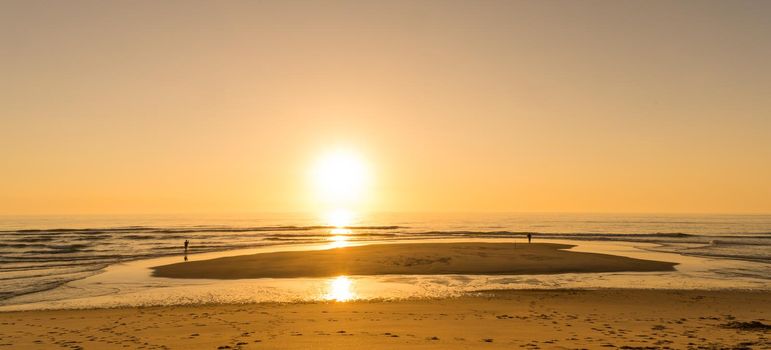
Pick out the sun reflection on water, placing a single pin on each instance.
(340, 237)
(340, 289)
(339, 241)
(340, 231)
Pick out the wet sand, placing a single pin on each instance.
(599, 319)
(412, 259)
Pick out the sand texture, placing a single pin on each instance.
(601, 319)
(411, 259)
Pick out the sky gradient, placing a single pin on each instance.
(542, 106)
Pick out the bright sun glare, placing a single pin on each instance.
(340, 178)
(339, 218)
(340, 289)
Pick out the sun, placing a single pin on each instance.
(340, 178)
(339, 218)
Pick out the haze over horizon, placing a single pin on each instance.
(499, 106)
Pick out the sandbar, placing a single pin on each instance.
(412, 259)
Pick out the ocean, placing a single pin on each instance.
(39, 253)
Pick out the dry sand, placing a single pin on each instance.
(601, 319)
(411, 259)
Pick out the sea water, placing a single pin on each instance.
(44, 256)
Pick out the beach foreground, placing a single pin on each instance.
(630, 319)
(412, 259)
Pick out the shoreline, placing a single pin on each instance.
(479, 293)
(653, 248)
(635, 318)
(131, 283)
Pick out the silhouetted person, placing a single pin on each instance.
(186, 244)
(529, 237)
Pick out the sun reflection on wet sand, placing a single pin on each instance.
(340, 289)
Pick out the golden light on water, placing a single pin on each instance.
(340, 231)
(340, 289)
(340, 237)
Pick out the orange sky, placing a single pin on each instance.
(557, 106)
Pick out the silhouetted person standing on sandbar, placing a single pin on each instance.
(529, 238)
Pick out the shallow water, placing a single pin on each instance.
(131, 284)
(45, 258)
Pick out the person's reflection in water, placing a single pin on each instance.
(186, 244)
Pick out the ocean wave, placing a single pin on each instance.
(593, 235)
(22, 245)
(35, 239)
(16, 287)
(559, 235)
(141, 237)
(194, 229)
(28, 266)
(94, 237)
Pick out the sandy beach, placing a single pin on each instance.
(598, 319)
(529, 319)
(412, 259)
